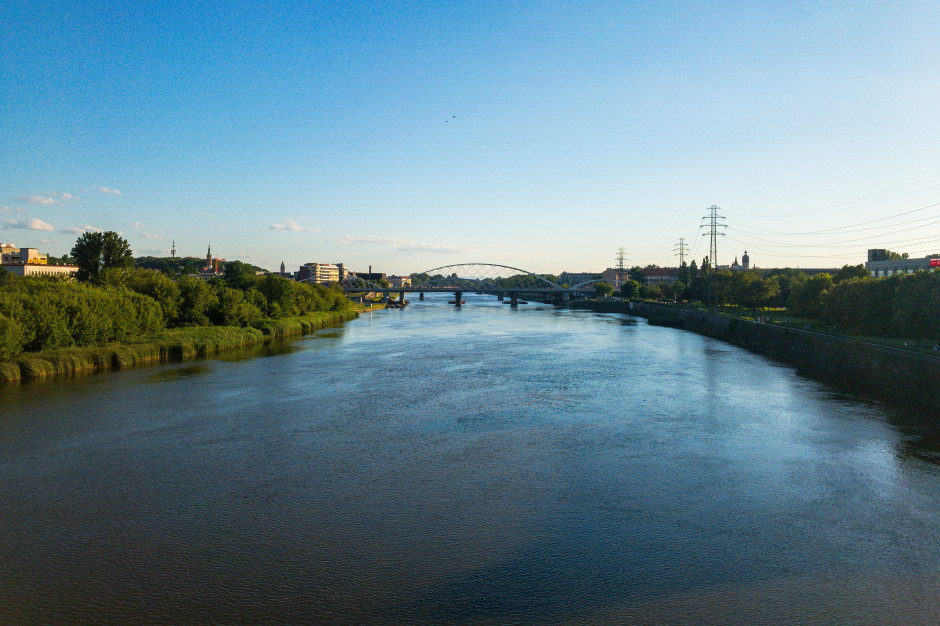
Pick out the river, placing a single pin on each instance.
(482, 464)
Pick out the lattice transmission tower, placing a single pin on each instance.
(712, 220)
(681, 250)
(621, 270)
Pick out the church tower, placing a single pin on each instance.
(282, 268)
(746, 261)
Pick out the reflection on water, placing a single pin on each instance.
(169, 373)
(481, 464)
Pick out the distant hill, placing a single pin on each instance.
(177, 265)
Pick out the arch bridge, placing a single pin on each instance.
(490, 278)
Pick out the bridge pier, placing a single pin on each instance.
(458, 295)
(401, 296)
(513, 299)
(499, 296)
(421, 296)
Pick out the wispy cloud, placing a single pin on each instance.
(428, 248)
(80, 230)
(376, 241)
(113, 192)
(32, 224)
(139, 227)
(7, 209)
(405, 246)
(293, 226)
(41, 200)
(67, 196)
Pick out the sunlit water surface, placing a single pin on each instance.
(482, 464)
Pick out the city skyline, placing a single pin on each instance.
(539, 136)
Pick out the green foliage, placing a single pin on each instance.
(55, 314)
(238, 274)
(230, 307)
(806, 297)
(651, 292)
(119, 305)
(115, 251)
(97, 251)
(751, 290)
(849, 272)
(603, 288)
(787, 278)
(629, 289)
(159, 287)
(195, 300)
(12, 337)
(170, 265)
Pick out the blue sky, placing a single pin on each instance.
(407, 136)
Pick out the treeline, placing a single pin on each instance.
(38, 313)
(906, 305)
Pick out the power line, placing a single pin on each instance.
(845, 229)
(854, 204)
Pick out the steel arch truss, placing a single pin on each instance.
(486, 277)
(354, 284)
(588, 285)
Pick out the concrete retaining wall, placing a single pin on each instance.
(890, 371)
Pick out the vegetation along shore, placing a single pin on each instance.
(116, 315)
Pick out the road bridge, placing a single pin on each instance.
(500, 280)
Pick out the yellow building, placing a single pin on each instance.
(11, 255)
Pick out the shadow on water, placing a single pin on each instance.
(170, 374)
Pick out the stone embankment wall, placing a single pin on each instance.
(890, 371)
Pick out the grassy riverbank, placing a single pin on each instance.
(176, 344)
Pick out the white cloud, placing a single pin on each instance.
(294, 227)
(406, 247)
(7, 209)
(81, 230)
(32, 224)
(43, 200)
(440, 248)
(106, 190)
(138, 225)
(67, 196)
(376, 241)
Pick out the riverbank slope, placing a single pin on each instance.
(171, 345)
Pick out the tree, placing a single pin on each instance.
(684, 276)
(806, 298)
(749, 289)
(115, 251)
(96, 251)
(238, 274)
(849, 272)
(629, 289)
(787, 278)
(603, 288)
